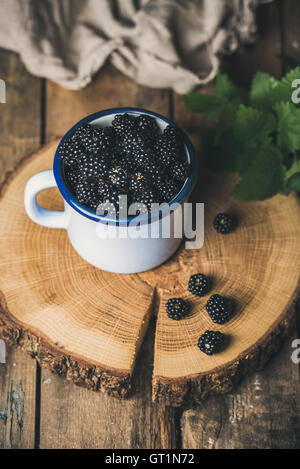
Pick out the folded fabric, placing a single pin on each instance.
(159, 43)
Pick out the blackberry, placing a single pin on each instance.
(93, 167)
(211, 342)
(82, 132)
(148, 128)
(147, 197)
(167, 150)
(224, 223)
(173, 134)
(117, 175)
(132, 141)
(146, 123)
(156, 175)
(70, 152)
(87, 192)
(180, 171)
(72, 177)
(199, 284)
(143, 157)
(90, 141)
(138, 182)
(123, 123)
(115, 202)
(106, 138)
(219, 308)
(169, 189)
(176, 308)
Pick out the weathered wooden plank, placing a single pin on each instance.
(20, 115)
(17, 400)
(262, 413)
(262, 55)
(19, 135)
(109, 89)
(72, 417)
(290, 26)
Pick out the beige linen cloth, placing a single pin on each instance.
(159, 43)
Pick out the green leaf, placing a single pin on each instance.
(293, 183)
(263, 177)
(261, 91)
(227, 119)
(252, 124)
(288, 137)
(210, 106)
(295, 168)
(283, 91)
(251, 131)
(224, 88)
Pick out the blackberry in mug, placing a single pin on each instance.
(132, 156)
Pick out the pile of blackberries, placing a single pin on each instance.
(131, 157)
(219, 308)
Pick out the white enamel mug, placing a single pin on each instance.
(115, 245)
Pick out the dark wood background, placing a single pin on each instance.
(40, 410)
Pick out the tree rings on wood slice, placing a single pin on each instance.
(87, 324)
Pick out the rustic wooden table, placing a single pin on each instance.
(40, 410)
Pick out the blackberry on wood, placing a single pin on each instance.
(219, 308)
(199, 284)
(176, 308)
(211, 342)
(224, 223)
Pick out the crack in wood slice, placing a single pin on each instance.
(87, 325)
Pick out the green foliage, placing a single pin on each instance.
(257, 134)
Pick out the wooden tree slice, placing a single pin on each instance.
(80, 321)
(257, 266)
(87, 324)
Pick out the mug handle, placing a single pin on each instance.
(38, 214)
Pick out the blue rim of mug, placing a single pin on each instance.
(89, 213)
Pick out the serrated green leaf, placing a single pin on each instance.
(261, 90)
(263, 178)
(251, 124)
(252, 130)
(283, 91)
(288, 137)
(224, 87)
(210, 106)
